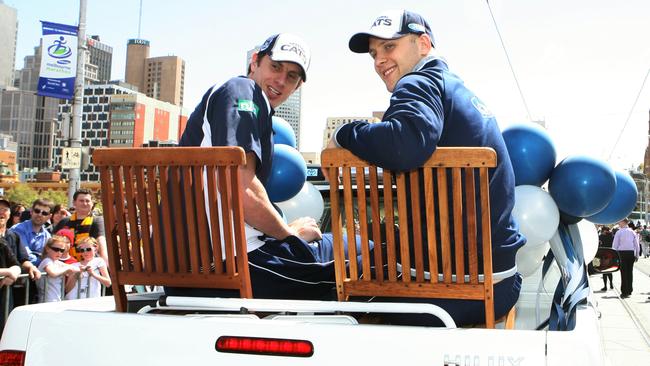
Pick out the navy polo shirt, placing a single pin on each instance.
(234, 114)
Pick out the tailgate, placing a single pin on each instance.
(112, 338)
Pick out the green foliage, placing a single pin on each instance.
(57, 197)
(21, 193)
(25, 195)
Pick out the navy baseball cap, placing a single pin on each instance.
(287, 47)
(5, 202)
(391, 24)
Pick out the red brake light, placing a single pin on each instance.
(12, 358)
(265, 346)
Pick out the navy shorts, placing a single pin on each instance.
(285, 269)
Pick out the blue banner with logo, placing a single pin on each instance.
(58, 61)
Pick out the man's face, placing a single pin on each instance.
(83, 204)
(395, 58)
(40, 215)
(5, 212)
(278, 80)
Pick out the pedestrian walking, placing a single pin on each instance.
(605, 240)
(626, 242)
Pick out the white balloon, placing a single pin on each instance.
(529, 258)
(536, 213)
(307, 203)
(586, 234)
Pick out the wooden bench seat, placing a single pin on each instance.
(156, 203)
(447, 199)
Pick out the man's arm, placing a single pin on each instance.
(12, 271)
(260, 213)
(616, 241)
(406, 137)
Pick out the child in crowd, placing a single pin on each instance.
(93, 271)
(66, 257)
(51, 286)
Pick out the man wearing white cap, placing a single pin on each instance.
(430, 107)
(292, 260)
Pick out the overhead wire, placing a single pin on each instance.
(629, 115)
(512, 69)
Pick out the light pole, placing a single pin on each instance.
(77, 109)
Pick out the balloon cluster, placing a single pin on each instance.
(287, 184)
(578, 187)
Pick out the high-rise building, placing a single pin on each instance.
(8, 34)
(291, 109)
(137, 52)
(28, 79)
(101, 55)
(30, 120)
(114, 115)
(165, 79)
(334, 122)
(162, 78)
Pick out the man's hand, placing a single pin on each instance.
(307, 229)
(7, 281)
(33, 272)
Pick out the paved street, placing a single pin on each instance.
(625, 323)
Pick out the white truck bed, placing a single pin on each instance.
(89, 332)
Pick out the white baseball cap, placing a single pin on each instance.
(287, 47)
(391, 24)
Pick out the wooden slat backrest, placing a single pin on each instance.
(446, 200)
(159, 230)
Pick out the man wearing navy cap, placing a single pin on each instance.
(292, 260)
(430, 107)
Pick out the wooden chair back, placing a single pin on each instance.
(446, 199)
(174, 217)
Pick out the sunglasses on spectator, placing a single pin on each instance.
(40, 212)
(83, 250)
(60, 250)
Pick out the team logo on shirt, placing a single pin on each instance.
(246, 105)
(481, 108)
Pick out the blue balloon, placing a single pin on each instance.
(532, 153)
(582, 186)
(288, 173)
(621, 205)
(283, 133)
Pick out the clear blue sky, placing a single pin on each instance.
(580, 63)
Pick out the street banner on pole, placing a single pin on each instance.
(58, 61)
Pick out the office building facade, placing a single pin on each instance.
(8, 37)
(31, 122)
(95, 123)
(116, 116)
(136, 119)
(101, 55)
(165, 79)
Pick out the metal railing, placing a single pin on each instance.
(23, 281)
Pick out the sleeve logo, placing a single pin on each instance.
(245, 105)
